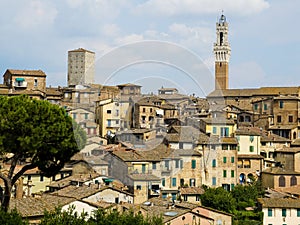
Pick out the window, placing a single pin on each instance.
(278, 119)
(167, 164)
(291, 119)
(232, 173)
(35, 82)
(214, 181)
(138, 187)
(74, 116)
(197, 198)
(224, 159)
(174, 181)
(224, 147)
(224, 131)
(281, 181)
(214, 130)
(214, 163)
(177, 163)
(193, 164)
(224, 173)
(283, 212)
(143, 168)
(251, 138)
(270, 212)
(192, 182)
(151, 110)
(265, 107)
(41, 178)
(181, 164)
(180, 145)
(281, 104)
(154, 165)
(144, 110)
(232, 159)
(108, 111)
(255, 106)
(251, 148)
(109, 123)
(293, 180)
(163, 182)
(298, 212)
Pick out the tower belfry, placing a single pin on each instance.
(222, 54)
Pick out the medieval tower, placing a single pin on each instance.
(222, 54)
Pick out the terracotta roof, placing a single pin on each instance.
(250, 156)
(279, 203)
(214, 139)
(273, 138)
(29, 207)
(53, 91)
(128, 85)
(39, 73)
(218, 121)
(131, 155)
(186, 134)
(279, 171)
(293, 190)
(262, 91)
(282, 127)
(80, 50)
(191, 190)
(143, 177)
(288, 149)
(248, 131)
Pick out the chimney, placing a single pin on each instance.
(19, 188)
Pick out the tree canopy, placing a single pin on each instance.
(38, 131)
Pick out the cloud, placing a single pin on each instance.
(247, 74)
(35, 14)
(179, 7)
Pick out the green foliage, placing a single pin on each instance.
(100, 217)
(59, 217)
(236, 202)
(219, 199)
(11, 218)
(39, 130)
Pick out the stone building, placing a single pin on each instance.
(81, 67)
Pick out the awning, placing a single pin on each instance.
(160, 112)
(20, 79)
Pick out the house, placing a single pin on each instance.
(185, 137)
(278, 211)
(220, 162)
(175, 213)
(250, 162)
(288, 157)
(191, 194)
(136, 136)
(278, 177)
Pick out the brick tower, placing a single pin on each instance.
(222, 54)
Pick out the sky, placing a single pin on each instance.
(154, 43)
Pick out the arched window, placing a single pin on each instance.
(293, 180)
(281, 181)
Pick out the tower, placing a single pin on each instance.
(81, 67)
(222, 54)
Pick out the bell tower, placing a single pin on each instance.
(222, 54)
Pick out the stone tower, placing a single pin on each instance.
(81, 67)
(222, 54)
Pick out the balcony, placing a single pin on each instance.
(20, 84)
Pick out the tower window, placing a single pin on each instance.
(221, 38)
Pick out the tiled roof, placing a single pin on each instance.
(296, 142)
(214, 139)
(80, 50)
(53, 91)
(218, 121)
(280, 171)
(255, 131)
(282, 127)
(186, 134)
(250, 156)
(293, 190)
(29, 207)
(279, 203)
(191, 190)
(128, 85)
(263, 91)
(288, 149)
(155, 154)
(143, 177)
(39, 73)
(273, 138)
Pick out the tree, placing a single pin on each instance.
(219, 199)
(38, 131)
(7, 218)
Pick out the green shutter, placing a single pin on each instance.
(251, 148)
(224, 159)
(214, 163)
(232, 159)
(193, 164)
(224, 173)
(232, 173)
